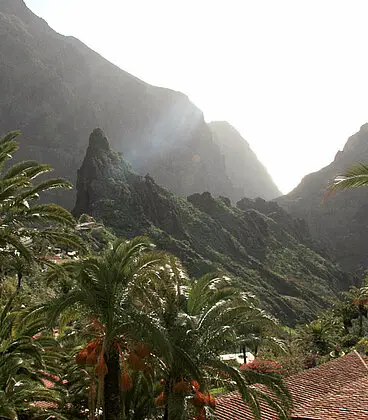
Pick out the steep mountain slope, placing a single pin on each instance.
(240, 161)
(339, 223)
(266, 254)
(56, 90)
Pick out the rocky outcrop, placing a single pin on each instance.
(209, 234)
(340, 222)
(298, 228)
(249, 177)
(56, 90)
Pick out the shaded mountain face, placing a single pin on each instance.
(56, 90)
(266, 251)
(340, 222)
(249, 177)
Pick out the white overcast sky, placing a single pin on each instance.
(290, 75)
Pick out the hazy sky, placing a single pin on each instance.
(290, 75)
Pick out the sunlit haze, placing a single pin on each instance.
(291, 76)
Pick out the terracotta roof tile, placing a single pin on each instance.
(335, 390)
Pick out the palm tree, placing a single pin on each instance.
(258, 329)
(21, 361)
(110, 289)
(201, 318)
(355, 177)
(361, 303)
(25, 226)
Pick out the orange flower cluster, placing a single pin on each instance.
(263, 366)
(136, 357)
(199, 399)
(136, 363)
(89, 354)
(160, 400)
(126, 382)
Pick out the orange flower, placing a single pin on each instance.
(135, 362)
(142, 350)
(195, 385)
(199, 399)
(92, 345)
(101, 368)
(211, 401)
(81, 357)
(126, 382)
(160, 400)
(92, 358)
(96, 324)
(181, 387)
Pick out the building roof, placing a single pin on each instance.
(334, 390)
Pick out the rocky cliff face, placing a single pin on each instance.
(248, 175)
(56, 90)
(209, 234)
(339, 223)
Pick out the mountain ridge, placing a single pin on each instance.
(339, 222)
(56, 90)
(209, 234)
(237, 151)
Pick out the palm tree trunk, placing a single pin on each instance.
(112, 401)
(360, 324)
(244, 355)
(19, 276)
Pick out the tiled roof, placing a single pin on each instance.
(335, 390)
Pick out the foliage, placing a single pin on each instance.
(263, 366)
(115, 326)
(356, 176)
(267, 253)
(28, 229)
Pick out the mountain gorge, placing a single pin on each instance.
(56, 90)
(339, 223)
(171, 175)
(256, 241)
(240, 161)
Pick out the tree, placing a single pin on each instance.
(21, 360)
(355, 177)
(27, 227)
(110, 289)
(201, 318)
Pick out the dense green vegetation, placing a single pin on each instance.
(92, 326)
(256, 242)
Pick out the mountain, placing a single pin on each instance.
(56, 90)
(241, 162)
(340, 222)
(256, 242)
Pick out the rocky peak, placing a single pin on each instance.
(297, 228)
(12, 5)
(98, 142)
(339, 224)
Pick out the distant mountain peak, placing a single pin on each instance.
(240, 161)
(339, 224)
(63, 90)
(98, 140)
(12, 6)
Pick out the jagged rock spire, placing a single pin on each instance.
(98, 140)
